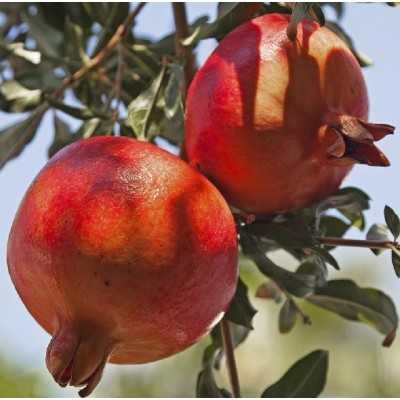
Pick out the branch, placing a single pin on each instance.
(183, 52)
(94, 62)
(372, 244)
(230, 357)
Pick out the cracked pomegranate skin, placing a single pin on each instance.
(277, 125)
(122, 252)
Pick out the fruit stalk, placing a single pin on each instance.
(372, 244)
(230, 357)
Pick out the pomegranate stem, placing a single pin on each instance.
(372, 244)
(230, 357)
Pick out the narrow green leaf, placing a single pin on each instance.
(352, 302)
(392, 221)
(328, 257)
(396, 263)
(88, 128)
(62, 136)
(76, 112)
(241, 311)
(296, 284)
(306, 378)
(141, 108)
(14, 138)
(378, 232)
(206, 385)
(287, 317)
(48, 39)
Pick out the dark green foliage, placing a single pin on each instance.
(306, 378)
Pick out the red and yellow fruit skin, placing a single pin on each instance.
(121, 250)
(258, 111)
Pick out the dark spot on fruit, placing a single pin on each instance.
(107, 283)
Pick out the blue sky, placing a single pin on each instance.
(376, 31)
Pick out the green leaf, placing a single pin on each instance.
(206, 385)
(62, 136)
(14, 138)
(296, 284)
(396, 263)
(352, 302)
(378, 232)
(141, 108)
(392, 221)
(18, 98)
(291, 233)
(362, 59)
(306, 378)
(241, 311)
(328, 257)
(332, 226)
(48, 39)
(350, 202)
(287, 317)
(76, 112)
(233, 16)
(88, 128)
(224, 8)
(316, 267)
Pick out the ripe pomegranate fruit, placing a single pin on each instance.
(275, 124)
(122, 252)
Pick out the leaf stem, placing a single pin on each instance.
(372, 244)
(183, 52)
(230, 357)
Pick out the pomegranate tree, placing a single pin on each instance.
(126, 254)
(123, 253)
(277, 124)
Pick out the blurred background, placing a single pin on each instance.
(359, 365)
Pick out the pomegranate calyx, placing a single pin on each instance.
(77, 360)
(351, 140)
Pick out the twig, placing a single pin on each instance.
(118, 82)
(372, 244)
(230, 357)
(183, 52)
(104, 53)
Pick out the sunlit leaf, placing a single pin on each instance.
(18, 50)
(18, 98)
(140, 109)
(306, 378)
(378, 232)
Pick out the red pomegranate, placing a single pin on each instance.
(123, 253)
(275, 124)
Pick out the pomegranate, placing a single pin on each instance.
(275, 124)
(123, 253)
